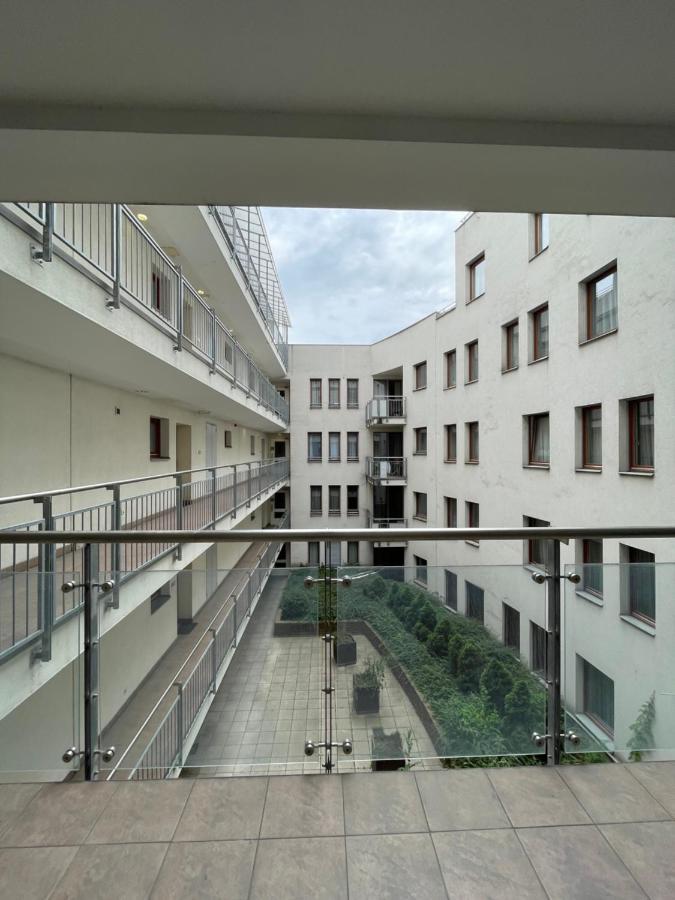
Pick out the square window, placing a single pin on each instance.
(471, 356)
(420, 501)
(472, 442)
(641, 434)
(451, 443)
(333, 499)
(597, 697)
(638, 584)
(450, 368)
(511, 627)
(539, 332)
(540, 232)
(475, 602)
(477, 277)
(352, 393)
(333, 446)
(314, 451)
(333, 393)
(538, 445)
(420, 569)
(591, 436)
(352, 446)
(315, 504)
(451, 589)
(591, 578)
(420, 375)
(601, 304)
(352, 499)
(510, 346)
(315, 393)
(451, 512)
(420, 441)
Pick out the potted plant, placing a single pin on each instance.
(367, 685)
(344, 649)
(387, 752)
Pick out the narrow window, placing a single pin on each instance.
(333, 499)
(420, 505)
(352, 446)
(252, 445)
(315, 492)
(420, 373)
(472, 518)
(451, 443)
(598, 697)
(451, 368)
(539, 320)
(510, 346)
(601, 304)
(420, 441)
(537, 649)
(334, 393)
(475, 602)
(591, 580)
(477, 277)
(314, 452)
(352, 499)
(228, 438)
(471, 355)
(451, 589)
(472, 442)
(315, 393)
(536, 549)
(352, 553)
(451, 512)
(420, 569)
(638, 584)
(313, 553)
(333, 446)
(352, 393)
(538, 440)
(541, 229)
(641, 434)
(511, 624)
(155, 438)
(591, 423)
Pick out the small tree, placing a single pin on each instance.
(496, 682)
(427, 616)
(455, 647)
(412, 613)
(375, 587)
(421, 632)
(641, 731)
(438, 642)
(470, 664)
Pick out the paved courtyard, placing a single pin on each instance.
(270, 703)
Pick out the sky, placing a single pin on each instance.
(354, 276)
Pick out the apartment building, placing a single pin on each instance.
(545, 395)
(142, 368)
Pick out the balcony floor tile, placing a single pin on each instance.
(384, 803)
(286, 869)
(659, 779)
(32, 872)
(393, 866)
(112, 871)
(646, 848)
(223, 809)
(207, 869)
(611, 794)
(303, 806)
(534, 795)
(142, 812)
(468, 800)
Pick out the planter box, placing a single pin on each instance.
(344, 650)
(366, 700)
(387, 751)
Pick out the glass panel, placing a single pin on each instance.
(603, 300)
(418, 684)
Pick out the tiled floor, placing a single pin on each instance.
(589, 832)
(270, 703)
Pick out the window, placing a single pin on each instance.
(333, 393)
(314, 451)
(511, 627)
(450, 368)
(313, 553)
(472, 518)
(451, 512)
(538, 452)
(352, 553)
(252, 445)
(591, 579)
(333, 446)
(539, 329)
(420, 441)
(477, 277)
(451, 443)
(641, 434)
(471, 356)
(472, 442)
(510, 335)
(159, 438)
(536, 554)
(591, 437)
(420, 505)
(450, 589)
(333, 499)
(228, 438)
(538, 653)
(420, 375)
(352, 499)
(352, 393)
(352, 446)
(334, 551)
(597, 696)
(315, 393)
(420, 569)
(601, 304)
(474, 602)
(315, 492)
(638, 584)
(541, 228)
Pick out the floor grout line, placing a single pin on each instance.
(430, 833)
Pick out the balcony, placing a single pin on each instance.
(385, 411)
(379, 522)
(386, 471)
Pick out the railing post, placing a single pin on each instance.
(179, 513)
(179, 311)
(248, 502)
(234, 491)
(179, 749)
(213, 340)
(47, 564)
(44, 253)
(117, 254)
(114, 601)
(555, 740)
(214, 660)
(234, 616)
(91, 664)
(213, 499)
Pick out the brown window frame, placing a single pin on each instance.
(539, 245)
(417, 368)
(333, 491)
(450, 430)
(156, 438)
(422, 516)
(590, 298)
(472, 362)
(332, 383)
(472, 446)
(585, 556)
(316, 490)
(606, 727)
(586, 436)
(418, 433)
(473, 267)
(354, 489)
(450, 360)
(312, 382)
(536, 337)
(633, 412)
(351, 382)
(319, 458)
(451, 512)
(531, 434)
(353, 458)
(510, 363)
(633, 611)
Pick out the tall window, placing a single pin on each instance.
(471, 353)
(539, 452)
(477, 277)
(451, 443)
(638, 584)
(451, 512)
(352, 499)
(352, 393)
(537, 649)
(315, 492)
(313, 553)
(155, 438)
(420, 500)
(333, 446)
(601, 304)
(352, 553)
(420, 375)
(314, 452)
(510, 346)
(475, 602)
(315, 393)
(511, 627)
(450, 589)
(252, 445)
(591, 425)
(420, 441)
(541, 228)
(333, 499)
(539, 324)
(641, 434)
(472, 518)
(352, 446)
(598, 697)
(535, 549)
(592, 574)
(420, 569)
(333, 393)
(472, 442)
(450, 368)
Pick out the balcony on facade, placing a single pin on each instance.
(387, 471)
(388, 411)
(148, 302)
(373, 521)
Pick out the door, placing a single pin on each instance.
(280, 449)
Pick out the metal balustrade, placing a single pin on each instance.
(31, 602)
(109, 244)
(385, 469)
(380, 410)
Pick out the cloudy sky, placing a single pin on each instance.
(355, 276)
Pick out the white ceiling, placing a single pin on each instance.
(429, 103)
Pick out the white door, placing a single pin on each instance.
(211, 445)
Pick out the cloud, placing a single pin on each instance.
(355, 276)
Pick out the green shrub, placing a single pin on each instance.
(375, 587)
(470, 665)
(295, 606)
(496, 682)
(455, 647)
(412, 613)
(427, 616)
(421, 632)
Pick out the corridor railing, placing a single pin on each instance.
(30, 603)
(106, 242)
